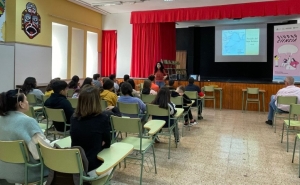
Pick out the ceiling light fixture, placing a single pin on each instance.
(116, 3)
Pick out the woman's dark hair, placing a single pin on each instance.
(96, 76)
(146, 87)
(162, 98)
(112, 76)
(74, 82)
(49, 87)
(131, 82)
(126, 89)
(87, 81)
(161, 67)
(29, 84)
(9, 101)
(58, 86)
(108, 84)
(151, 78)
(126, 77)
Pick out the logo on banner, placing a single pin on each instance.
(31, 21)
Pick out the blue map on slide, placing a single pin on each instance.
(233, 42)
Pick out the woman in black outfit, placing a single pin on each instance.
(90, 127)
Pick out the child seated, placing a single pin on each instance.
(186, 100)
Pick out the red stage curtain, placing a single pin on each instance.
(150, 44)
(256, 9)
(109, 52)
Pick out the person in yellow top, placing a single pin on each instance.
(49, 89)
(107, 94)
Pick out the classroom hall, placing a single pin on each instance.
(238, 53)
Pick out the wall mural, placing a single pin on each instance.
(31, 21)
(2, 19)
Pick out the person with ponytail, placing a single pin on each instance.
(15, 125)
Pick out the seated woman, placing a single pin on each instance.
(58, 100)
(107, 94)
(49, 89)
(15, 125)
(163, 101)
(90, 127)
(147, 88)
(134, 92)
(29, 87)
(87, 81)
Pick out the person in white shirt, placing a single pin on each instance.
(289, 90)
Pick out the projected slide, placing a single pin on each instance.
(240, 42)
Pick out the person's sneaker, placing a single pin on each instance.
(200, 117)
(157, 140)
(177, 140)
(269, 122)
(186, 124)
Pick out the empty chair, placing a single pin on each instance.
(252, 92)
(283, 100)
(209, 90)
(291, 122)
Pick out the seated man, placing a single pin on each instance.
(192, 87)
(186, 100)
(114, 79)
(97, 80)
(153, 85)
(127, 97)
(58, 100)
(289, 90)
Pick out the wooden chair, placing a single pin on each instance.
(16, 152)
(55, 159)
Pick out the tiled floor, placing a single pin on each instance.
(227, 147)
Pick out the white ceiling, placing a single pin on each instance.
(143, 5)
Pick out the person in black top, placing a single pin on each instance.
(186, 100)
(58, 100)
(90, 127)
(171, 85)
(192, 87)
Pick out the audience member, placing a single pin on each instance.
(126, 90)
(171, 85)
(90, 127)
(58, 100)
(192, 87)
(134, 92)
(97, 80)
(147, 88)
(163, 100)
(74, 83)
(186, 100)
(289, 90)
(15, 125)
(125, 79)
(153, 85)
(49, 89)
(160, 75)
(116, 85)
(87, 81)
(29, 87)
(107, 94)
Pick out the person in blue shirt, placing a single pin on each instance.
(192, 87)
(127, 97)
